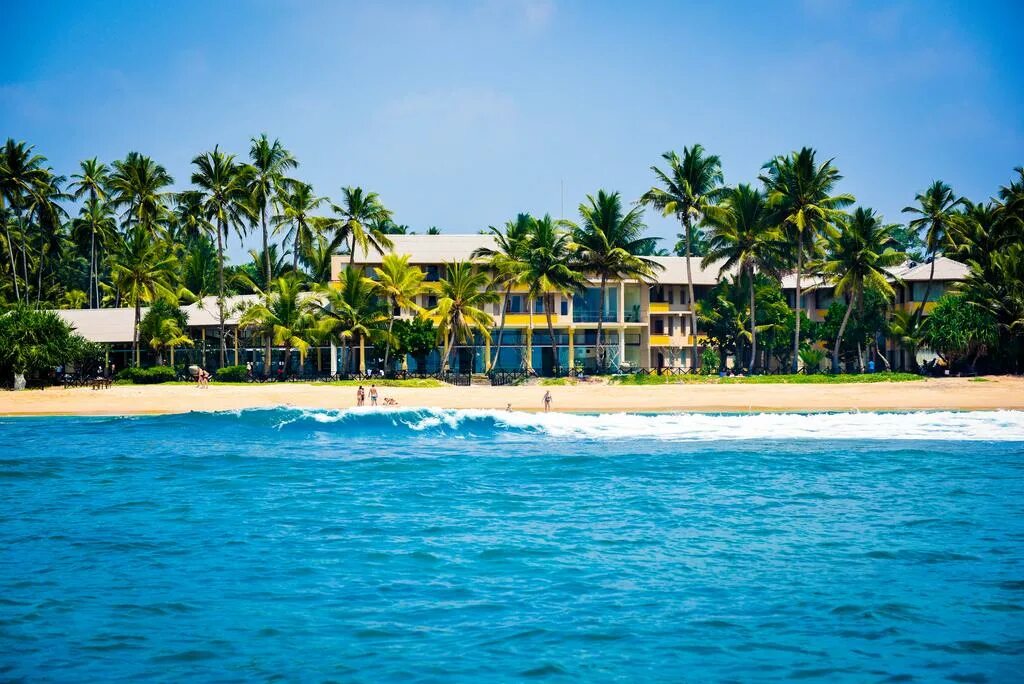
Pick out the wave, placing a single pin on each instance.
(1000, 426)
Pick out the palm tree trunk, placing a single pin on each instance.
(501, 325)
(287, 360)
(220, 298)
(927, 290)
(391, 325)
(694, 361)
(549, 303)
(753, 323)
(92, 265)
(839, 337)
(600, 324)
(797, 306)
(14, 267)
(135, 332)
(267, 351)
(295, 253)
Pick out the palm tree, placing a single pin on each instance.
(857, 259)
(44, 205)
(743, 237)
(359, 216)
(907, 330)
(91, 180)
(507, 263)
(351, 312)
(270, 161)
(607, 244)
(296, 203)
(799, 190)
(95, 225)
(317, 257)
(143, 270)
(935, 211)
(690, 186)
(163, 328)
(548, 270)
(223, 187)
(138, 184)
(398, 283)
(282, 318)
(461, 297)
(21, 174)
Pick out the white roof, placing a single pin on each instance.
(674, 271)
(945, 269)
(117, 325)
(430, 249)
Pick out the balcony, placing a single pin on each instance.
(659, 340)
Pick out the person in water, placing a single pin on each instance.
(547, 401)
(373, 395)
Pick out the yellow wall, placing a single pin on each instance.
(659, 340)
(659, 307)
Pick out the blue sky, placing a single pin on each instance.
(461, 114)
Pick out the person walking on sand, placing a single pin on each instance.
(373, 395)
(547, 401)
(360, 393)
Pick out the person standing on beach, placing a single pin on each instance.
(373, 395)
(360, 393)
(547, 401)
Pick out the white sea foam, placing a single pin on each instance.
(1002, 426)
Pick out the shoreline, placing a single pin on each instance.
(936, 394)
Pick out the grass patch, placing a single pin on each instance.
(411, 382)
(796, 379)
(561, 382)
(978, 380)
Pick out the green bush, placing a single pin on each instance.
(146, 376)
(232, 374)
(709, 361)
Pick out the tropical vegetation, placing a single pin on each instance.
(121, 233)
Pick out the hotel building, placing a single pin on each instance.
(646, 324)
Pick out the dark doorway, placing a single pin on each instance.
(547, 361)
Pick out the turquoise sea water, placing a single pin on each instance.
(475, 546)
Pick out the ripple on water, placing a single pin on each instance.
(294, 545)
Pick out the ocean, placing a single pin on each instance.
(438, 546)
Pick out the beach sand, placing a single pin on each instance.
(946, 393)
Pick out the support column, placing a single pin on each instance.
(529, 349)
(487, 353)
(622, 303)
(236, 346)
(172, 356)
(362, 354)
(334, 358)
(572, 348)
(622, 344)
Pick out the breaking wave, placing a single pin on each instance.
(1000, 426)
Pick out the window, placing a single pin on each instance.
(432, 273)
(431, 301)
(671, 322)
(670, 291)
(565, 307)
(515, 304)
(538, 305)
(659, 326)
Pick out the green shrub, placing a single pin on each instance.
(709, 361)
(146, 376)
(232, 374)
(154, 375)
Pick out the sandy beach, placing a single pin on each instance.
(947, 393)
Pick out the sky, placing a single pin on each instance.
(462, 114)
